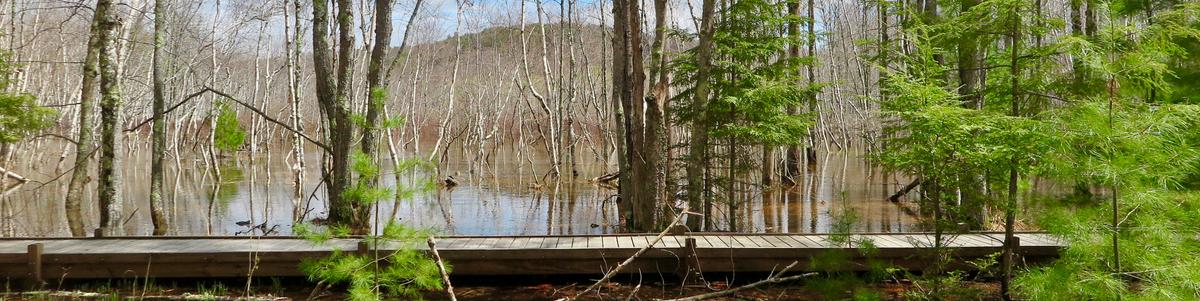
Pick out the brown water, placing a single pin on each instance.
(501, 198)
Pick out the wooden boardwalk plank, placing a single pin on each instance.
(642, 241)
(595, 242)
(474, 255)
(798, 241)
(776, 242)
(630, 242)
(890, 242)
(745, 241)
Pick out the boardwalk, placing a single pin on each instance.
(62, 258)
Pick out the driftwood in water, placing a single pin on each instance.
(13, 175)
(608, 177)
(912, 185)
(449, 182)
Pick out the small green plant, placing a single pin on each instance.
(277, 288)
(837, 281)
(394, 265)
(214, 289)
(20, 115)
(228, 135)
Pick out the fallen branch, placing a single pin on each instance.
(13, 175)
(608, 177)
(239, 102)
(441, 268)
(629, 260)
(770, 280)
(903, 191)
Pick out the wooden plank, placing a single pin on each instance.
(989, 240)
(744, 241)
(567, 242)
(889, 241)
(516, 242)
(477, 255)
(451, 243)
(670, 242)
(549, 243)
(632, 242)
(797, 241)
(610, 241)
(780, 242)
(759, 241)
(486, 243)
(968, 240)
(642, 241)
(595, 242)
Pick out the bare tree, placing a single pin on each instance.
(333, 83)
(85, 145)
(110, 115)
(159, 135)
(698, 148)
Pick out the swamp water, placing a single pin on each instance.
(255, 196)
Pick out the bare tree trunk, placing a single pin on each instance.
(813, 108)
(453, 82)
(377, 91)
(969, 60)
(625, 191)
(628, 69)
(86, 144)
(1076, 29)
(292, 45)
(332, 95)
(698, 146)
(1010, 209)
(159, 130)
(656, 137)
(1089, 13)
(110, 116)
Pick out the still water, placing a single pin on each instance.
(255, 196)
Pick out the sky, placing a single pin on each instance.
(437, 18)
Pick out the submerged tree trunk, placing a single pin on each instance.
(332, 85)
(628, 69)
(377, 90)
(159, 130)
(813, 109)
(110, 115)
(791, 165)
(85, 147)
(698, 144)
(292, 40)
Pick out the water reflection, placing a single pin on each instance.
(256, 196)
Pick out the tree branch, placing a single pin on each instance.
(441, 268)
(244, 104)
(770, 280)
(629, 260)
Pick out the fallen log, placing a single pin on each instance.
(608, 177)
(903, 191)
(13, 175)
